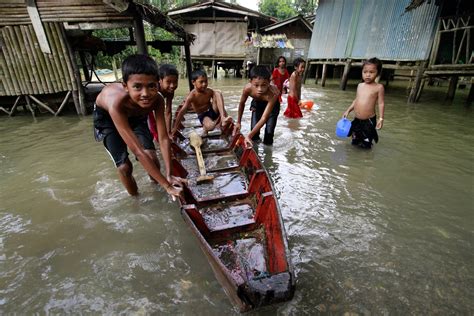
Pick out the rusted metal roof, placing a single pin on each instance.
(365, 28)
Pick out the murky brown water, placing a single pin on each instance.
(386, 231)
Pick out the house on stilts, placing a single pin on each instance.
(414, 38)
(223, 32)
(43, 44)
(289, 38)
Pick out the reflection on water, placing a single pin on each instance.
(386, 231)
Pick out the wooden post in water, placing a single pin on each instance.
(417, 83)
(345, 75)
(470, 96)
(316, 76)
(324, 74)
(453, 83)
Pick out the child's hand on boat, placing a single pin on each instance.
(248, 142)
(177, 181)
(174, 190)
(236, 129)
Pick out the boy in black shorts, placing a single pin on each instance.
(120, 120)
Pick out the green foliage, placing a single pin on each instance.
(284, 9)
(306, 7)
(280, 9)
(151, 33)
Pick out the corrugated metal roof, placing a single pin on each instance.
(365, 28)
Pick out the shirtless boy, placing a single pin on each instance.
(120, 120)
(206, 102)
(369, 93)
(168, 83)
(265, 106)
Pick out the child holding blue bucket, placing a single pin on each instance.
(369, 93)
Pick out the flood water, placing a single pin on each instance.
(379, 232)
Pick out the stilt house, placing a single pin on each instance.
(405, 34)
(221, 30)
(297, 30)
(40, 41)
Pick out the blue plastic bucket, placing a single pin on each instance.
(343, 127)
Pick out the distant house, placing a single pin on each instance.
(297, 30)
(405, 34)
(41, 41)
(221, 30)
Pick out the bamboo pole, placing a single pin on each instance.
(52, 72)
(28, 105)
(55, 59)
(70, 69)
(77, 94)
(12, 111)
(41, 58)
(42, 104)
(31, 61)
(13, 62)
(26, 62)
(62, 61)
(16, 90)
(21, 60)
(63, 103)
(37, 64)
(6, 77)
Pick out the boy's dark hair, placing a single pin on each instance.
(374, 61)
(198, 73)
(260, 72)
(167, 70)
(139, 64)
(298, 61)
(278, 60)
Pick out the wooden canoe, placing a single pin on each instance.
(235, 218)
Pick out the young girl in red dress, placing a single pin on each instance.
(280, 74)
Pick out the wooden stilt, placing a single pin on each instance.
(85, 69)
(189, 67)
(63, 103)
(214, 69)
(453, 83)
(316, 76)
(43, 105)
(140, 36)
(28, 105)
(417, 82)
(12, 111)
(418, 95)
(324, 74)
(306, 71)
(470, 96)
(345, 75)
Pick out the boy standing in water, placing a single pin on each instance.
(120, 120)
(168, 83)
(265, 106)
(206, 102)
(294, 96)
(364, 125)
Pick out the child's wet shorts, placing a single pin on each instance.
(209, 113)
(104, 130)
